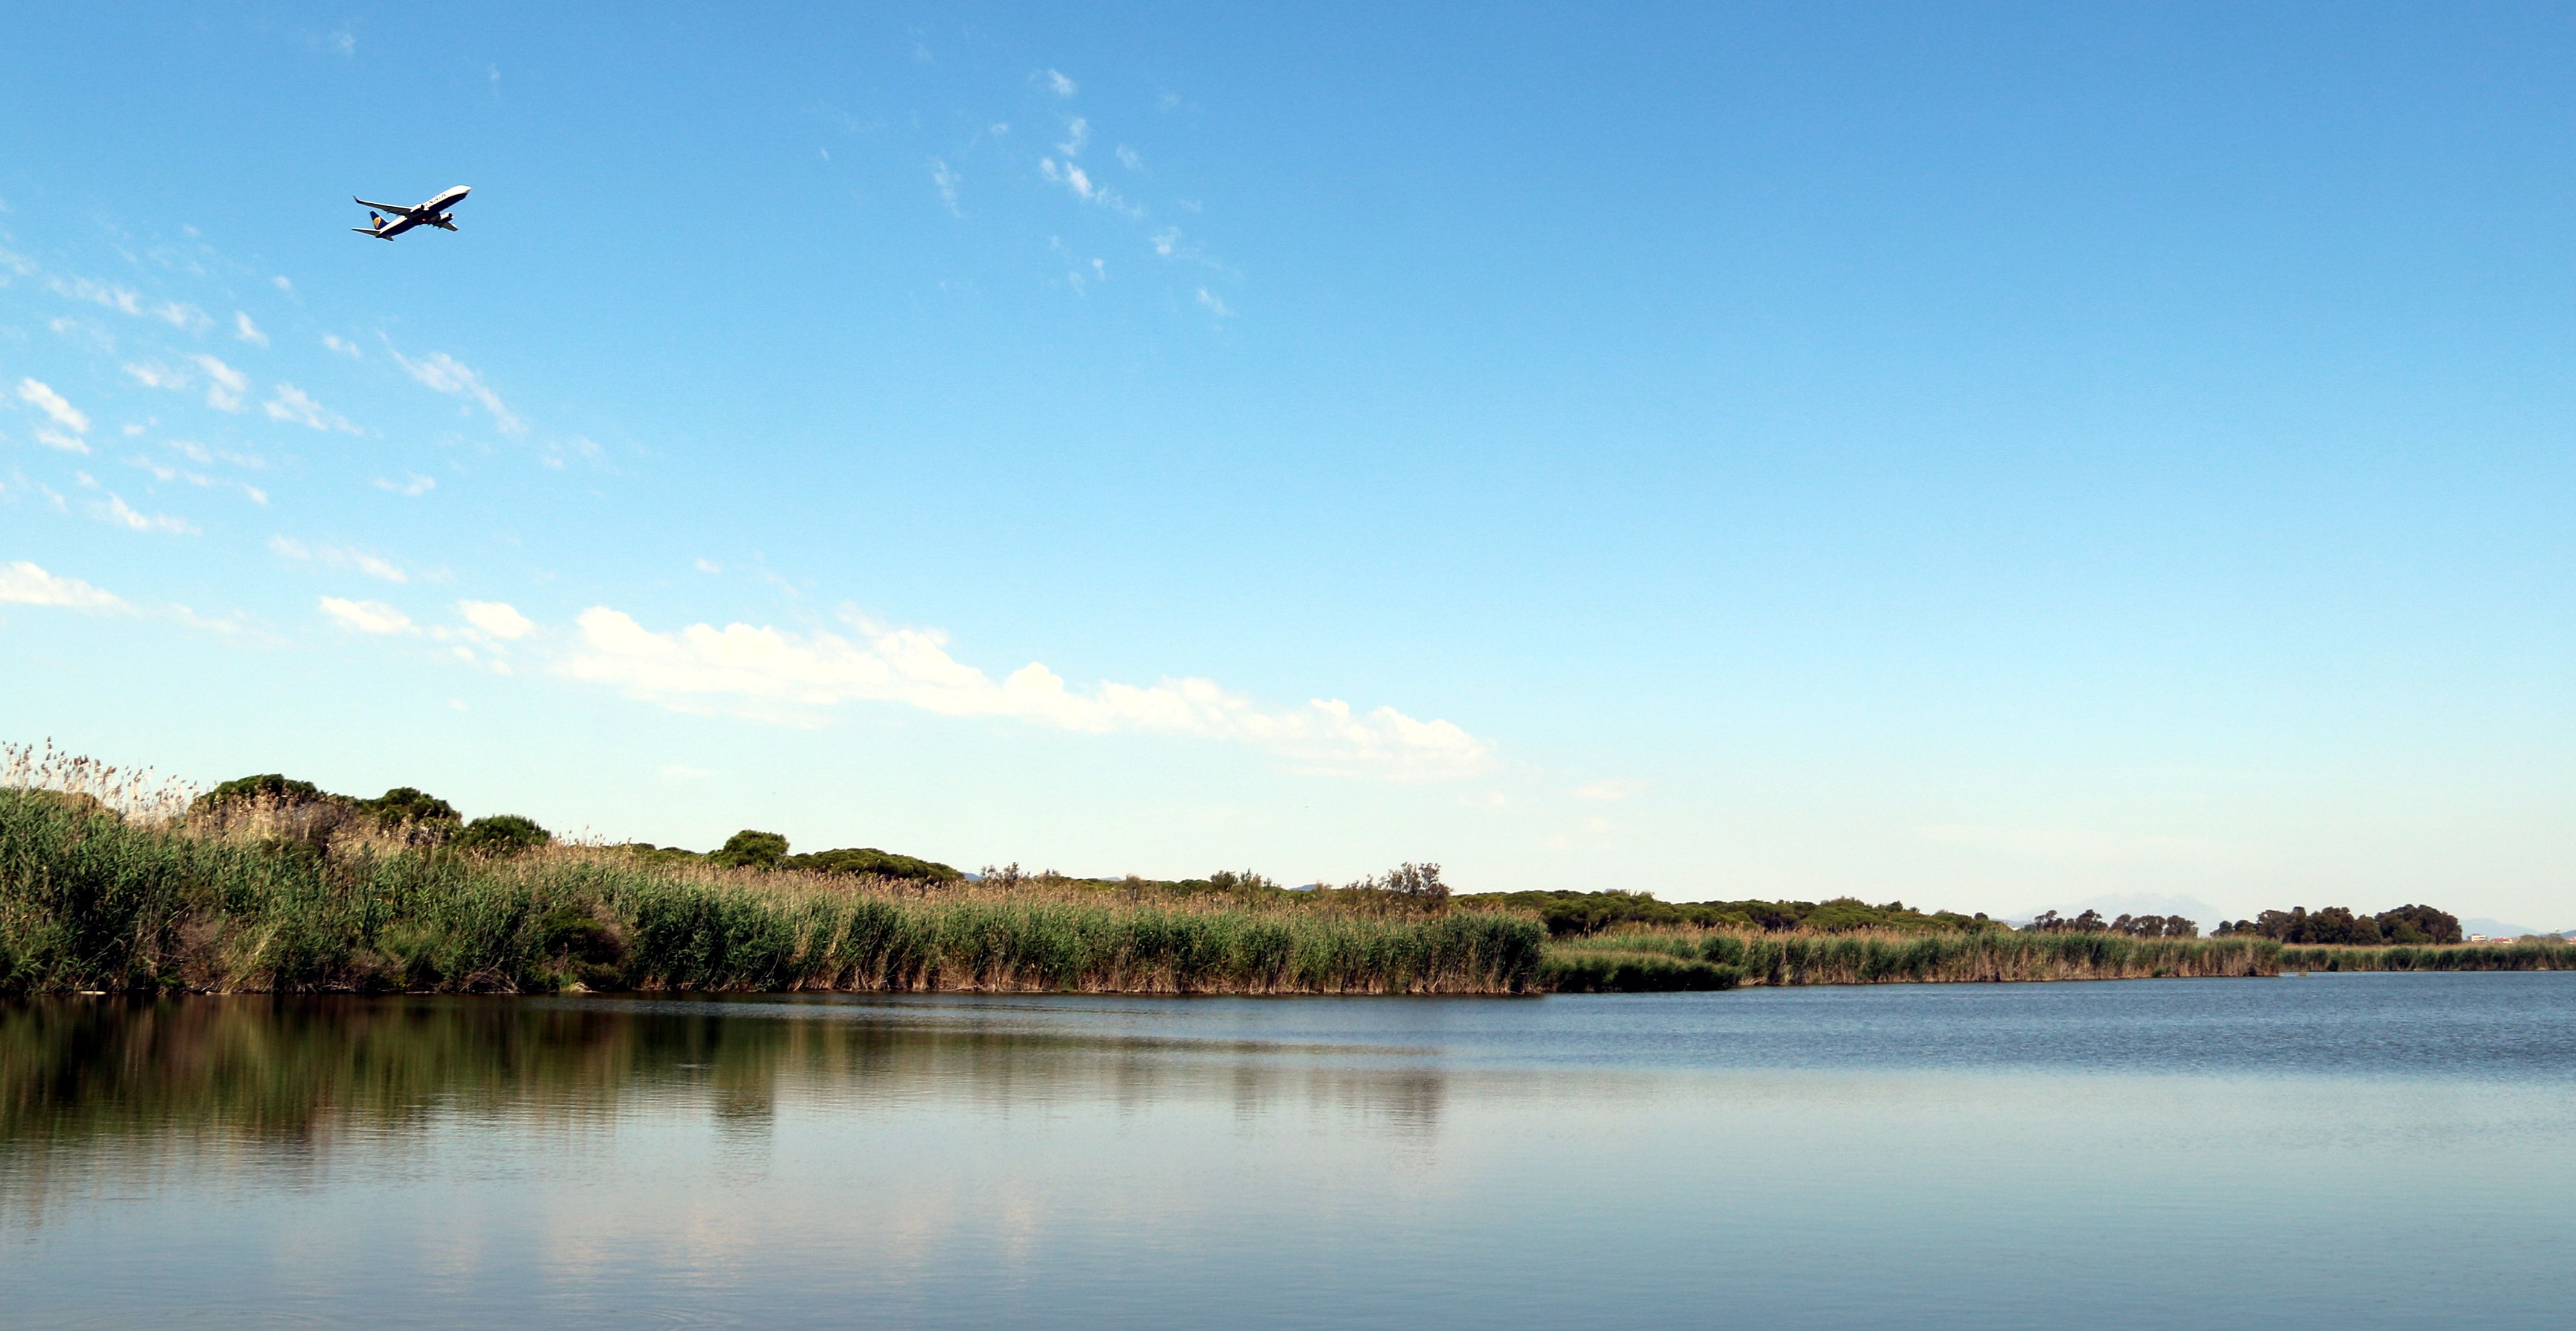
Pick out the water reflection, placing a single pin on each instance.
(298, 1072)
(2022, 1156)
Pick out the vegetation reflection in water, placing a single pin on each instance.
(80, 1073)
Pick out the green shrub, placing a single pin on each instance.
(869, 860)
(405, 804)
(501, 834)
(269, 787)
(748, 849)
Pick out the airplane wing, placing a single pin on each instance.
(396, 208)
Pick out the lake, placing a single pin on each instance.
(2363, 1150)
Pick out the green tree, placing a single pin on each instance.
(501, 834)
(749, 849)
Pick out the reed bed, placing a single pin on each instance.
(2514, 956)
(91, 899)
(1723, 959)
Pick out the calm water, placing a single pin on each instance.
(2354, 1150)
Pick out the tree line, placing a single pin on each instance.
(2341, 925)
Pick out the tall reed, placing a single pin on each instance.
(1662, 958)
(90, 900)
(2516, 956)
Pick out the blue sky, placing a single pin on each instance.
(1993, 457)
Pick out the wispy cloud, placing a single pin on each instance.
(42, 397)
(247, 331)
(1606, 790)
(413, 484)
(85, 332)
(125, 300)
(496, 619)
(443, 373)
(1127, 158)
(367, 616)
(1083, 187)
(1214, 304)
(343, 346)
(1076, 134)
(202, 481)
(338, 556)
(294, 405)
(945, 181)
(23, 583)
(153, 374)
(226, 387)
(67, 423)
(179, 315)
(777, 675)
(115, 509)
(1057, 83)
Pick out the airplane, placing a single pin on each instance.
(433, 213)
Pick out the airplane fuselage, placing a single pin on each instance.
(433, 213)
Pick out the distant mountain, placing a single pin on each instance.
(2498, 928)
(2146, 903)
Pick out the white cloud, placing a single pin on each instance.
(198, 479)
(343, 42)
(290, 403)
(69, 443)
(43, 398)
(115, 509)
(125, 300)
(413, 484)
(446, 374)
(23, 583)
(1058, 84)
(343, 346)
(571, 446)
(340, 557)
(1214, 304)
(153, 374)
(777, 675)
(225, 386)
(247, 331)
(207, 457)
(181, 316)
(1167, 240)
(1076, 135)
(1607, 790)
(946, 182)
(367, 616)
(1127, 158)
(1079, 181)
(86, 333)
(281, 283)
(497, 619)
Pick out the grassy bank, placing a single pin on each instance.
(2461, 957)
(1679, 959)
(92, 901)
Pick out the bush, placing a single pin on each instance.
(748, 849)
(269, 787)
(501, 834)
(868, 860)
(406, 804)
